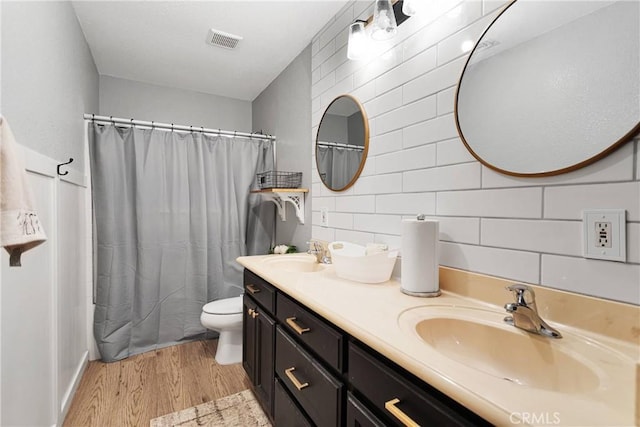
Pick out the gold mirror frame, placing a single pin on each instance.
(606, 151)
(365, 122)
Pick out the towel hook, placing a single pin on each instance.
(62, 164)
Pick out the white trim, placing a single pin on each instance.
(65, 403)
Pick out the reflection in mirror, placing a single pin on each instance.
(342, 143)
(552, 86)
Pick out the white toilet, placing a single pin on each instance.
(225, 316)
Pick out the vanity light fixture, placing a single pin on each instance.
(387, 15)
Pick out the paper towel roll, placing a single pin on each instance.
(420, 257)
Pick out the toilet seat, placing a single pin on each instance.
(224, 306)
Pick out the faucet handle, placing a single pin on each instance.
(520, 291)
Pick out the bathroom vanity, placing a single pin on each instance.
(320, 350)
(307, 371)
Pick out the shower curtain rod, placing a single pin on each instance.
(341, 145)
(132, 122)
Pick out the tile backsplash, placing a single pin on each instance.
(523, 229)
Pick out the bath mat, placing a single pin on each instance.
(240, 409)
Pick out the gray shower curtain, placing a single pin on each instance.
(339, 165)
(172, 211)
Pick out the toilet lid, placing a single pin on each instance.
(224, 306)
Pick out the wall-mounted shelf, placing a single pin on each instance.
(281, 195)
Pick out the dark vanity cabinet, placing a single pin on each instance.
(308, 372)
(258, 338)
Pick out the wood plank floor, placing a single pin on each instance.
(133, 391)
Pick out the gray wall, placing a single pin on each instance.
(282, 109)
(49, 78)
(334, 128)
(143, 101)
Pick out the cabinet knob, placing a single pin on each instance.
(250, 311)
(252, 288)
(294, 380)
(255, 314)
(396, 412)
(291, 321)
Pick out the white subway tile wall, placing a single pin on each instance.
(524, 229)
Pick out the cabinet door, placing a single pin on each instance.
(359, 416)
(264, 351)
(287, 413)
(249, 338)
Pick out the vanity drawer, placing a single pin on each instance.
(359, 416)
(263, 292)
(287, 413)
(313, 387)
(395, 396)
(320, 337)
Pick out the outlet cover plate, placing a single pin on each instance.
(594, 221)
(324, 217)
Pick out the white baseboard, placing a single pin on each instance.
(71, 390)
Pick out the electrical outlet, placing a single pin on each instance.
(324, 217)
(604, 234)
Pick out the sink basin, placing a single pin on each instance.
(479, 339)
(296, 263)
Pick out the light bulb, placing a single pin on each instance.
(358, 46)
(413, 7)
(384, 21)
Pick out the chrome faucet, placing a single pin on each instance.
(525, 313)
(318, 249)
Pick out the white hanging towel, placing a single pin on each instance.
(20, 228)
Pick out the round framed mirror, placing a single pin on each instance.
(551, 86)
(342, 143)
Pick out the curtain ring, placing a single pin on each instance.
(202, 127)
(152, 125)
(191, 128)
(171, 127)
(132, 125)
(93, 117)
(235, 133)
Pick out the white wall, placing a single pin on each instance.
(143, 101)
(282, 109)
(527, 230)
(48, 81)
(49, 78)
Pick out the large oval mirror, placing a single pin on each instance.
(552, 86)
(342, 143)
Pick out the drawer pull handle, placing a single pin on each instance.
(396, 412)
(252, 289)
(294, 380)
(291, 321)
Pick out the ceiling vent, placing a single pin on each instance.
(222, 39)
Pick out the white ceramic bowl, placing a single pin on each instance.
(352, 263)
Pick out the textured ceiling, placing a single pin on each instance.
(164, 42)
